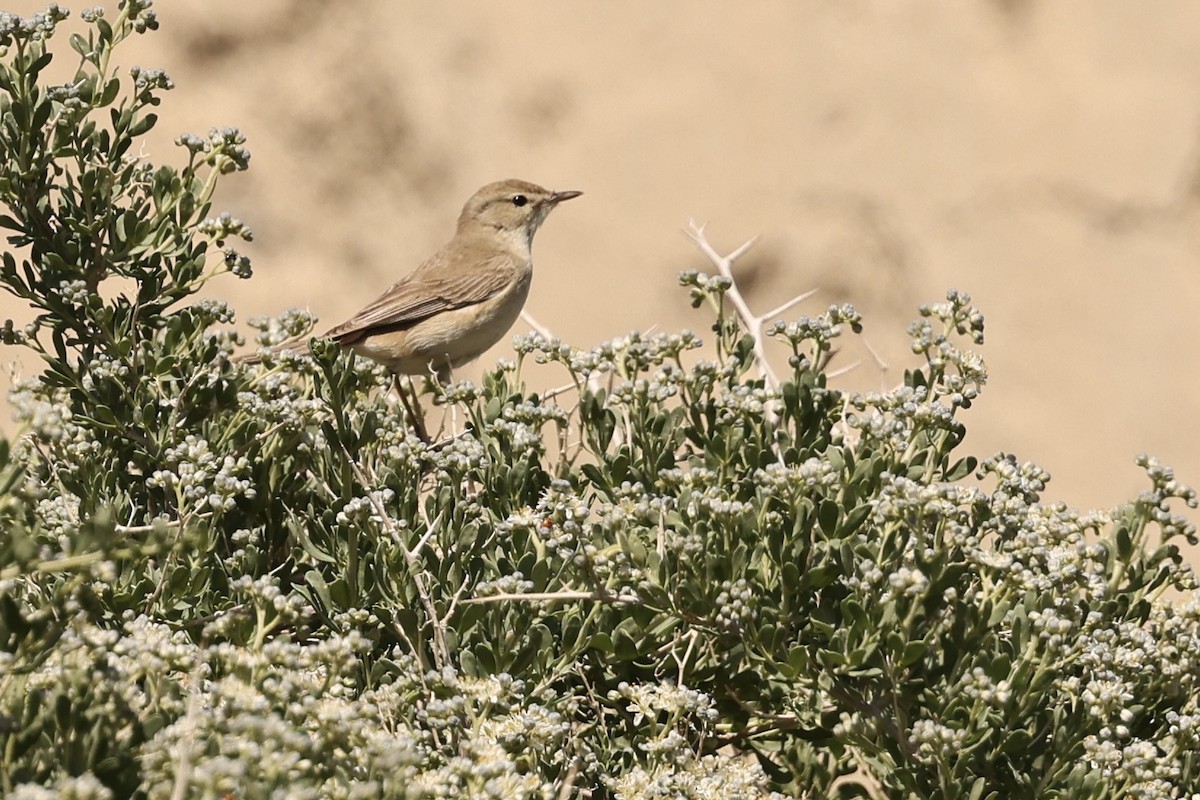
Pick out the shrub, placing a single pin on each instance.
(679, 576)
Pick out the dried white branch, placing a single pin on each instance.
(879, 362)
(430, 529)
(136, 529)
(568, 787)
(800, 298)
(753, 323)
(843, 370)
(442, 649)
(537, 326)
(552, 597)
(191, 720)
(550, 394)
(692, 635)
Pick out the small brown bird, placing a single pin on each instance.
(464, 297)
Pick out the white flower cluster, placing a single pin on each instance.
(461, 456)
(505, 584)
(291, 323)
(635, 509)
(77, 787)
(201, 479)
(361, 510)
(570, 532)
(936, 741)
(47, 418)
(278, 402)
(820, 330)
(642, 392)
(978, 685)
(522, 424)
(1112, 660)
(670, 768)
(627, 355)
(812, 477)
(735, 604)
(893, 417)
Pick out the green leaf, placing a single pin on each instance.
(111, 90)
(39, 64)
(485, 659)
(1124, 544)
(80, 45)
(316, 582)
(827, 516)
(854, 520)
(961, 469)
(143, 124)
(41, 114)
(602, 642)
(831, 658)
(914, 651)
(300, 533)
(624, 643)
(1016, 742)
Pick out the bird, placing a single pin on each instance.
(464, 298)
(461, 300)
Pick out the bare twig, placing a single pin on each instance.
(528, 319)
(441, 649)
(753, 323)
(800, 298)
(553, 597)
(862, 776)
(183, 770)
(550, 394)
(430, 529)
(692, 635)
(879, 362)
(843, 370)
(129, 530)
(568, 785)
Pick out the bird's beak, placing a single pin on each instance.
(557, 197)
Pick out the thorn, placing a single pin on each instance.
(879, 362)
(800, 298)
(741, 251)
(537, 326)
(550, 394)
(839, 372)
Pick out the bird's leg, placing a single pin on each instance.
(412, 405)
(442, 376)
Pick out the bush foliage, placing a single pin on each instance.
(679, 576)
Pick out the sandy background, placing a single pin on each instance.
(1043, 156)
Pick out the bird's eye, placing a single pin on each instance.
(519, 200)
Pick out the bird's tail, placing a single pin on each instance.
(297, 344)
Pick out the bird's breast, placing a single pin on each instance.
(452, 337)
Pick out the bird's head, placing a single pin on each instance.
(512, 207)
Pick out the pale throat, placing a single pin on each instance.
(519, 240)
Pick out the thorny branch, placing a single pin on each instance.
(753, 323)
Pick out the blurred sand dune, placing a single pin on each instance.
(1043, 156)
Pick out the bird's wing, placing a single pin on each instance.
(424, 293)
